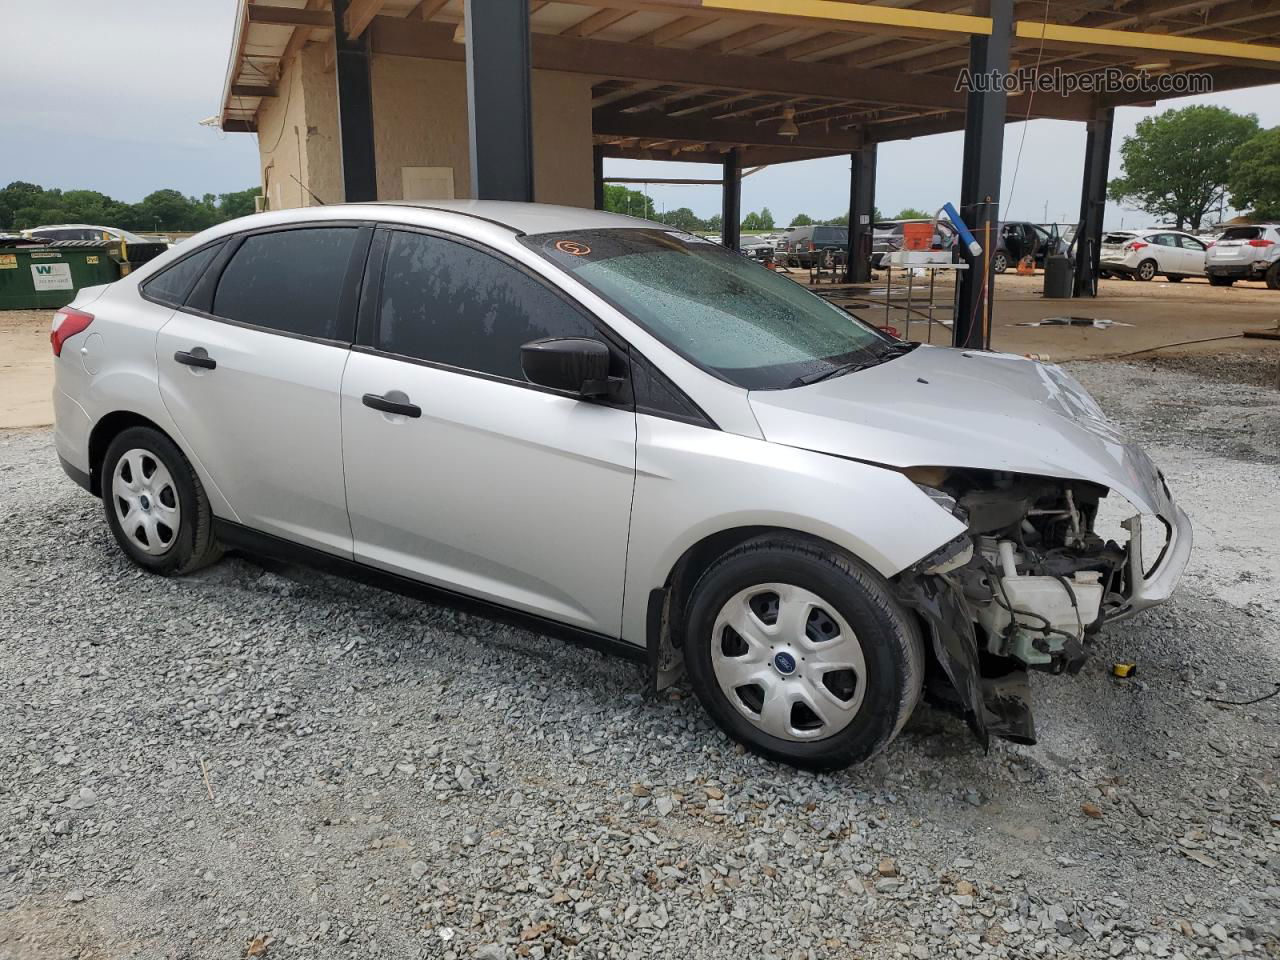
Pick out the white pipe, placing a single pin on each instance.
(1006, 558)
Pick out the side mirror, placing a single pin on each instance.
(572, 364)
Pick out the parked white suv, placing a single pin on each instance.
(1245, 253)
(1146, 254)
(621, 434)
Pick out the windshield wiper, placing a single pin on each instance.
(820, 375)
(889, 352)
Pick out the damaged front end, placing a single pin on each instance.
(1028, 585)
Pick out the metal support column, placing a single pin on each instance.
(355, 110)
(499, 99)
(597, 176)
(731, 203)
(862, 205)
(1093, 202)
(980, 176)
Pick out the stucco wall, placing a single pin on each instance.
(420, 119)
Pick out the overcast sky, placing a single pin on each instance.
(108, 96)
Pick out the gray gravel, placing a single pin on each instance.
(267, 762)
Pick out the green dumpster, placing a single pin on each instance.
(34, 278)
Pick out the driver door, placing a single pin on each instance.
(460, 472)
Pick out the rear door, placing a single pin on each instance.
(250, 370)
(476, 480)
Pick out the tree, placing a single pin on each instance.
(619, 199)
(239, 203)
(1255, 176)
(911, 213)
(715, 222)
(766, 219)
(1176, 165)
(802, 220)
(682, 218)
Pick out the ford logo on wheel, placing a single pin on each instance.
(785, 664)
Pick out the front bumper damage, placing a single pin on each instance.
(993, 692)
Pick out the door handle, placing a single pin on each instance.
(192, 359)
(391, 406)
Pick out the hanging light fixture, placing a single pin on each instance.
(788, 126)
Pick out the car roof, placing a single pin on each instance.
(532, 218)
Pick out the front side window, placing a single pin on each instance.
(446, 302)
(290, 281)
(172, 285)
(1191, 243)
(729, 315)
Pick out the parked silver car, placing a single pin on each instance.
(621, 434)
(1146, 254)
(1245, 253)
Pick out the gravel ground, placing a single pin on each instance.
(264, 761)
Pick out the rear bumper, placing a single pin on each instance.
(1237, 270)
(75, 473)
(1116, 266)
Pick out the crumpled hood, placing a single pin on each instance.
(938, 406)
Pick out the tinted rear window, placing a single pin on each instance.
(289, 281)
(824, 235)
(172, 285)
(1242, 233)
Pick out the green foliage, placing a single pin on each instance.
(634, 203)
(911, 213)
(1177, 164)
(802, 220)
(1255, 176)
(24, 205)
(682, 218)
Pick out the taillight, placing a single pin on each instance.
(1134, 245)
(1259, 242)
(1210, 245)
(67, 322)
(811, 246)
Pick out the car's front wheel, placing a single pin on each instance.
(155, 505)
(1219, 281)
(801, 654)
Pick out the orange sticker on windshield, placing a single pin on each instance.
(573, 248)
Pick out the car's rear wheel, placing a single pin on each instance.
(155, 505)
(1000, 262)
(1273, 276)
(1220, 281)
(801, 654)
(1146, 270)
(1174, 278)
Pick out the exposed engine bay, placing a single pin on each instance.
(1024, 589)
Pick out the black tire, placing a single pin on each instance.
(191, 545)
(889, 639)
(1220, 281)
(1174, 278)
(1273, 276)
(1146, 271)
(1000, 262)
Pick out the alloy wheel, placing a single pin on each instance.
(146, 501)
(788, 661)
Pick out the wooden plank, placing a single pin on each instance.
(1094, 38)
(745, 38)
(253, 89)
(664, 65)
(672, 31)
(654, 125)
(427, 9)
(595, 23)
(360, 14)
(289, 16)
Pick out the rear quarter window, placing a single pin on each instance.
(172, 285)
